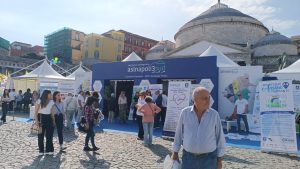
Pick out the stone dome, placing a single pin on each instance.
(273, 38)
(274, 44)
(157, 51)
(224, 24)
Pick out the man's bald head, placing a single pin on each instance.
(199, 91)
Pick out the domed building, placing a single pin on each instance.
(222, 24)
(274, 44)
(242, 38)
(158, 50)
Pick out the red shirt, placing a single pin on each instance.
(89, 113)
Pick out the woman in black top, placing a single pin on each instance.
(5, 102)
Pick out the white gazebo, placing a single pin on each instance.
(42, 73)
(291, 72)
(222, 60)
(132, 57)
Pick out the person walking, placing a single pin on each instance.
(199, 131)
(70, 105)
(19, 100)
(149, 110)
(139, 115)
(164, 107)
(12, 97)
(59, 115)
(89, 114)
(80, 104)
(5, 105)
(112, 104)
(44, 118)
(122, 102)
(27, 100)
(241, 109)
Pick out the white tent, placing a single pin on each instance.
(42, 73)
(291, 72)
(79, 70)
(222, 60)
(132, 57)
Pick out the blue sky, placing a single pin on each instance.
(29, 21)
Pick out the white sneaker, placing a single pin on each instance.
(41, 154)
(62, 147)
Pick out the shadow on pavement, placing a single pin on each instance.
(94, 161)
(290, 157)
(46, 161)
(160, 151)
(237, 160)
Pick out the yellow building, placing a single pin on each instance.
(107, 47)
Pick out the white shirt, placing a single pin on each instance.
(47, 109)
(240, 105)
(199, 138)
(80, 98)
(70, 103)
(12, 95)
(122, 100)
(141, 102)
(164, 100)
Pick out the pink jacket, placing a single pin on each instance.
(149, 110)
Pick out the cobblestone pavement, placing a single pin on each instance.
(18, 149)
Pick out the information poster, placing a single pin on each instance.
(83, 81)
(178, 98)
(47, 85)
(278, 132)
(66, 87)
(296, 93)
(276, 95)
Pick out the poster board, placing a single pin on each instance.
(48, 85)
(83, 81)
(178, 99)
(66, 87)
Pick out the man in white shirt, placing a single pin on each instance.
(12, 97)
(164, 107)
(80, 105)
(70, 105)
(241, 109)
(199, 131)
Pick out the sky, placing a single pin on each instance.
(29, 21)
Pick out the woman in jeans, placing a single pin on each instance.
(5, 103)
(89, 114)
(149, 110)
(59, 115)
(44, 118)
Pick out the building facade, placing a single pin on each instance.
(20, 49)
(136, 43)
(4, 47)
(107, 47)
(65, 44)
(296, 41)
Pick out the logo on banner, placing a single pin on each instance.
(285, 84)
(178, 99)
(155, 67)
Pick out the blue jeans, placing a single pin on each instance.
(244, 117)
(148, 132)
(193, 161)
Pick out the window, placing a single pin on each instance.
(97, 43)
(143, 43)
(136, 42)
(77, 36)
(96, 54)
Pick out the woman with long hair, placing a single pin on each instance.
(5, 104)
(89, 113)
(139, 115)
(58, 113)
(44, 118)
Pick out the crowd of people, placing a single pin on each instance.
(199, 129)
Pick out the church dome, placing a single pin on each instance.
(274, 44)
(157, 51)
(223, 24)
(273, 38)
